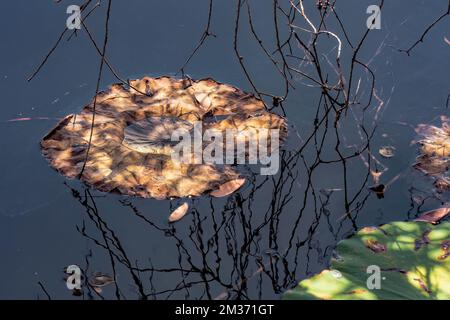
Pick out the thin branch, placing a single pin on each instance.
(100, 71)
(422, 37)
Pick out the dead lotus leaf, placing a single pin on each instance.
(435, 140)
(99, 279)
(179, 213)
(434, 158)
(228, 188)
(130, 150)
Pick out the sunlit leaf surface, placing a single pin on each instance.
(413, 258)
(131, 146)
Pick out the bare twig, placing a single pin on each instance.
(99, 78)
(425, 32)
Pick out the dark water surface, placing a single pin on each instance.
(254, 244)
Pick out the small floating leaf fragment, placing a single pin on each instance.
(29, 119)
(434, 216)
(387, 151)
(379, 190)
(179, 213)
(19, 119)
(99, 279)
(442, 184)
(445, 246)
(228, 188)
(222, 296)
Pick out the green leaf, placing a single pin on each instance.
(413, 257)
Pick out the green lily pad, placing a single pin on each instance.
(410, 259)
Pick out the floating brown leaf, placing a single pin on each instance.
(99, 280)
(434, 216)
(434, 158)
(228, 188)
(130, 151)
(387, 151)
(179, 212)
(431, 164)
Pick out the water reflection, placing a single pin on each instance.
(259, 242)
(231, 250)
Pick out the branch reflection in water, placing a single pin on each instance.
(227, 247)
